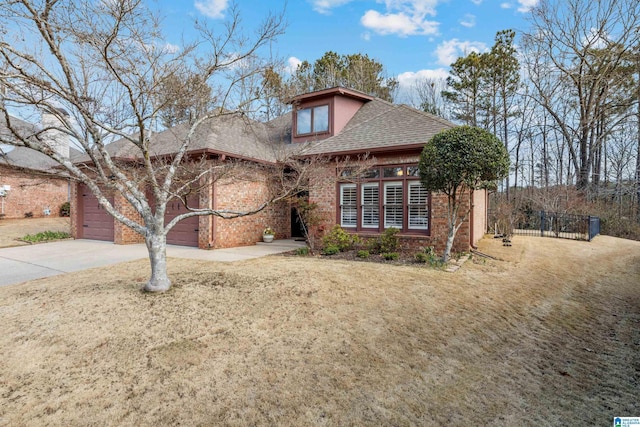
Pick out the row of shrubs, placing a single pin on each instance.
(387, 245)
(65, 210)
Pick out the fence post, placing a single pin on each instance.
(541, 223)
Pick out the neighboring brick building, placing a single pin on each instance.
(26, 184)
(334, 123)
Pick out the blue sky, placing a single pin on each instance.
(411, 38)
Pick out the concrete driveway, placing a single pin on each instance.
(24, 263)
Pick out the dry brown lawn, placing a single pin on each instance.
(13, 229)
(548, 335)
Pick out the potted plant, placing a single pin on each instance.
(268, 234)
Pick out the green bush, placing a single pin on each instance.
(363, 254)
(428, 256)
(330, 250)
(339, 238)
(373, 246)
(389, 241)
(65, 209)
(302, 251)
(46, 236)
(422, 258)
(390, 256)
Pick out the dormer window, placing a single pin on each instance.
(313, 120)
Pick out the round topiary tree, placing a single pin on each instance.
(459, 160)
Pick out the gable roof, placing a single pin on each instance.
(18, 124)
(231, 134)
(26, 158)
(381, 126)
(323, 93)
(378, 126)
(29, 159)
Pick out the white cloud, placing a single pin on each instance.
(212, 8)
(413, 7)
(408, 81)
(397, 23)
(292, 64)
(468, 20)
(403, 17)
(409, 78)
(476, 2)
(506, 5)
(171, 48)
(527, 5)
(366, 36)
(448, 51)
(596, 39)
(325, 6)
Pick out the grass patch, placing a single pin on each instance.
(45, 236)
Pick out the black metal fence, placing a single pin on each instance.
(548, 224)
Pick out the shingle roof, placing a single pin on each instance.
(16, 123)
(231, 134)
(27, 158)
(380, 125)
(377, 126)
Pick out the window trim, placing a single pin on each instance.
(387, 207)
(382, 183)
(412, 183)
(353, 206)
(312, 123)
(374, 208)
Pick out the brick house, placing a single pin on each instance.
(26, 183)
(349, 123)
(338, 123)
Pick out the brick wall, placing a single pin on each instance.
(324, 192)
(242, 194)
(122, 234)
(32, 193)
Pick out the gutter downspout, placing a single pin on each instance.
(472, 215)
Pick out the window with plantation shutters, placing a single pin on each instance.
(370, 206)
(382, 197)
(393, 204)
(348, 205)
(418, 207)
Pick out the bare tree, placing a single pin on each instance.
(427, 96)
(574, 52)
(105, 71)
(638, 135)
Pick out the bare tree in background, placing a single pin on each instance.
(574, 52)
(427, 96)
(107, 64)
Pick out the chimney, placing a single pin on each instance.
(57, 140)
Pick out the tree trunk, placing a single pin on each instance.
(447, 249)
(454, 223)
(157, 246)
(638, 148)
(638, 166)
